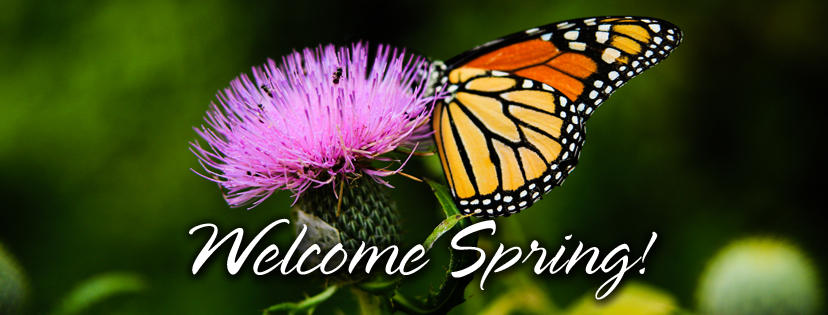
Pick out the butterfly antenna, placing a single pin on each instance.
(339, 200)
(415, 178)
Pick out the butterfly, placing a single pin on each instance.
(511, 126)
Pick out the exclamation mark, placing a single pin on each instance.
(646, 251)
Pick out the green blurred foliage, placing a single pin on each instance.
(99, 98)
(94, 291)
(13, 288)
(633, 298)
(759, 275)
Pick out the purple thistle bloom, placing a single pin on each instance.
(319, 115)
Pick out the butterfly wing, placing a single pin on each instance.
(512, 126)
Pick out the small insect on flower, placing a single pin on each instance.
(337, 75)
(294, 126)
(266, 90)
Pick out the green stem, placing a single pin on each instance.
(450, 292)
(307, 304)
(379, 286)
(401, 302)
(369, 304)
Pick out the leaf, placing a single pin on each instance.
(443, 197)
(99, 288)
(441, 229)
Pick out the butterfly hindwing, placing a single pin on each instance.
(504, 141)
(512, 125)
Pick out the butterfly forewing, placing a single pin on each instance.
(512, 126)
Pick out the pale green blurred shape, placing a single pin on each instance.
(524, 296)
(759, 275)
(633, 298)
(98, 289)
(12, 284)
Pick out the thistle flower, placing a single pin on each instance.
(319, 115)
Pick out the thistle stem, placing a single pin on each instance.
(307, 304)
(369, 304)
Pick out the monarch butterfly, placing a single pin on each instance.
(511, 126)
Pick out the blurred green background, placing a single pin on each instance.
(98, 98)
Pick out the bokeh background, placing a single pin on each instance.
(722, 141)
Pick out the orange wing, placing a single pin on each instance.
(540, 61)
(512, 125)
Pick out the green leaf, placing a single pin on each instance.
(443, 197)
(98, 289)
(441, 229)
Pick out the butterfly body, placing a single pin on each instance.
(511, 127)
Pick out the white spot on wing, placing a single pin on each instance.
(579, 46)
(601, 37)
(610, 54)
(565, 25)
(571, 35)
